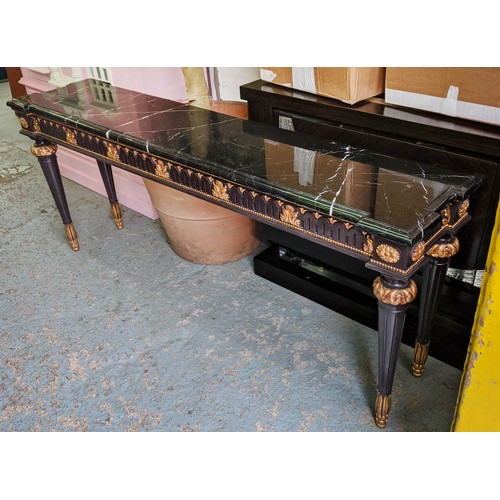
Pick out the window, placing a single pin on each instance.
(101, 91)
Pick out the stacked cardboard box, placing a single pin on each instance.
(349, 85)
(471, 93)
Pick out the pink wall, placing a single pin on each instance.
(35, 81)
(162, 82)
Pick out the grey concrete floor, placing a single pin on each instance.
(126, 336)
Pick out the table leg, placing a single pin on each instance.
(433, 276)
(109, 184)
(393, 299)
(46, 153)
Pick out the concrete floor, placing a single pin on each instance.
(126, 336)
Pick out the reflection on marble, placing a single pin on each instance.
(383, 192)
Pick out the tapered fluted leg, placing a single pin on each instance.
(46, 154)
(393, 299)
(433, 276)
(109, 184)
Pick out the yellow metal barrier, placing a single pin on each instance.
(478, 404)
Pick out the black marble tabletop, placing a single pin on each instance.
(376, 192)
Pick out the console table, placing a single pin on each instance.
(396, 215)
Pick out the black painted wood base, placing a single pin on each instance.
(108, 181)
(106, 172)
(391, 321)
(48, 162)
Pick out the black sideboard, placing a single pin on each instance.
(462, 145)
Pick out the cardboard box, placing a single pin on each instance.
(349, 85)
(471, 93)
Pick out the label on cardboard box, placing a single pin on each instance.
(303, 79)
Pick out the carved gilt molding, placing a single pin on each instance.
(418, 251)
(394, 296)
(44, 150)
(420, 356)
(382, 409)
(444, 250)
(388, 253)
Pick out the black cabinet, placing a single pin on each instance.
(459, 145)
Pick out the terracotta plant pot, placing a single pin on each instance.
(238, 109)
(200, 231)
